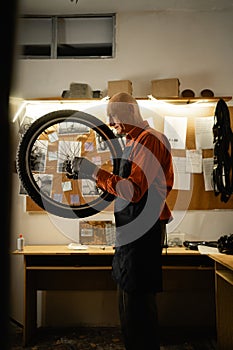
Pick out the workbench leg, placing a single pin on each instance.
(30, 309)
(224, 306)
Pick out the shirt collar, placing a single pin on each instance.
(134, 132)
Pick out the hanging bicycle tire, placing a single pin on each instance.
(44, 162)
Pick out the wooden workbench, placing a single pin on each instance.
(224, 300)
(56, 267)
(92, 249)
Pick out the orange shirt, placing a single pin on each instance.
(151, 166)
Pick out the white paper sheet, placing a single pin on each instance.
(204, 132)
(203, 249)
(77, 246)
(182, 179)
(194, 161)
(208, 173)
(175, 129)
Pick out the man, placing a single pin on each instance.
(144, 181)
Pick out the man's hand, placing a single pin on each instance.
(84, 168)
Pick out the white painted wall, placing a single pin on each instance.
(194, 47)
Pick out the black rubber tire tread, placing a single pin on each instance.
(26, 176)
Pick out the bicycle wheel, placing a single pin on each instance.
(44, 162)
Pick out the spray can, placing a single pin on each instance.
(20, 243)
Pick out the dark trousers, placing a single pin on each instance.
(139, 320)
(139, 315)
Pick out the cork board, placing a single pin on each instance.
(194, 199)
(197, 198)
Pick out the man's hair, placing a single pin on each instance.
(125, 107)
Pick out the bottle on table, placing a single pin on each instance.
(20, 243)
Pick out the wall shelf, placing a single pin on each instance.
(187, 100)
(178, 100)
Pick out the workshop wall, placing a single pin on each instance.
(194, 47)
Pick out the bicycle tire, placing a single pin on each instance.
(27, 175)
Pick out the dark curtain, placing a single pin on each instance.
(8, 24)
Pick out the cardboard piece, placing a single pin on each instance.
(116, 86)
(165, 87)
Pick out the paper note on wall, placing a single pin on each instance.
(204, 132)
(208, 173)
(182, 179)
(175, 129)
(194, 161)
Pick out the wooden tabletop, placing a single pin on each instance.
(224, 259)
(91, 250)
